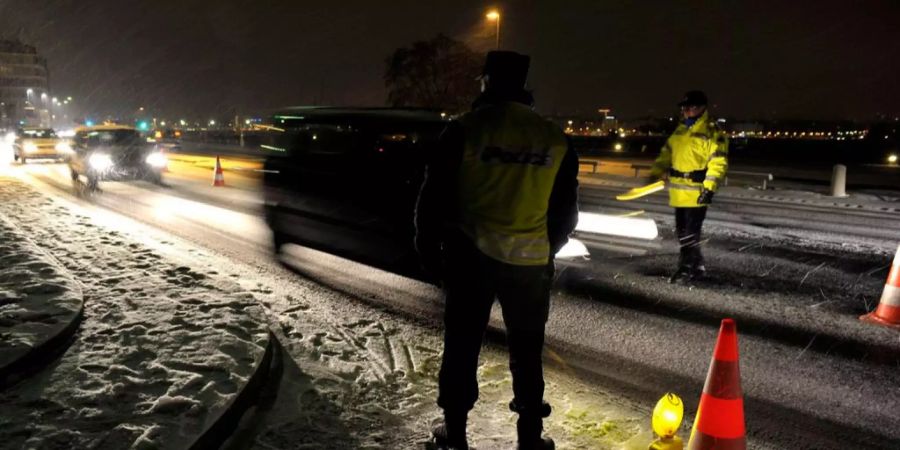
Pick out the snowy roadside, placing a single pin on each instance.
(40, 305)
(773, 277)
(357, 376)
(162, 352)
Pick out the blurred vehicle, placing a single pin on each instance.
(114, 152)
(39, 143)
(345, 181)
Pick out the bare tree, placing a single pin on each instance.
(439, 73)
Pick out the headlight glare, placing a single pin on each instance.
(63, 147)
(157, 159)
(100, 161)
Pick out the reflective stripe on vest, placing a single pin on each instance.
(510, 161)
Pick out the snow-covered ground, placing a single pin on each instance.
(358, 375)
(40, 304)
(354, 376)
(162, 351)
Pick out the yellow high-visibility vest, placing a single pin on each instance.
(702, 146)
(509, 166)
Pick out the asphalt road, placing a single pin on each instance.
(798, 393)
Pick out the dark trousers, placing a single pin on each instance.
(472, 281)
(688, 226)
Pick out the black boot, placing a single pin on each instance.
(529, 430)
(450, 433)
(530, 425)
(682, 275)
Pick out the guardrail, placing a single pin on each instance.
(638, 167)
(594, 165)
(766, 177)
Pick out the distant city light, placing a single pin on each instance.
(618, 146)
(212, 122)
(143, 126)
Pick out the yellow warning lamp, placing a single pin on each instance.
(667, 416)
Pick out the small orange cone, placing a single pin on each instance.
(218, 176)
(888, 311)
(719, 424)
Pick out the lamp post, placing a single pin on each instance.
(494, 16)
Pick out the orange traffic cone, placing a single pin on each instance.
(719, 424)
(218, 176)
(888, 311)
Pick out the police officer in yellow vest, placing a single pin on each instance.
(499, 200)
(695, 158)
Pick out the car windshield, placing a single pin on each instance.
(39, 134)
(103, 138)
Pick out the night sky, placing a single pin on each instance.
(193, 58)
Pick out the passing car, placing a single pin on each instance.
(39, 143)
(114, 152)
(345, 181)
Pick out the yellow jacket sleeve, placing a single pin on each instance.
(718, 162)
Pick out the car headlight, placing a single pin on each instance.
(100, 161)
(63, 147)
(157, 159)
(30, 147)
(573, 249)
(892, 159)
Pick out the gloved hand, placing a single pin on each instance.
(706, 196)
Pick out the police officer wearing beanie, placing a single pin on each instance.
(695, 158)
(499, 200)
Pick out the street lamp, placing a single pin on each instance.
(494, 16)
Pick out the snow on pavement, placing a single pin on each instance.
(40, 302)
(357, 376)
(161, 352)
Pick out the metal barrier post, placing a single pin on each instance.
(839, 181)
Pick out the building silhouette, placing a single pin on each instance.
(24, 86)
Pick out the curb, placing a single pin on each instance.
(52, 346)
(222, 427)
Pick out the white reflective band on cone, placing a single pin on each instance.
(890, 296)
(640, 228)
